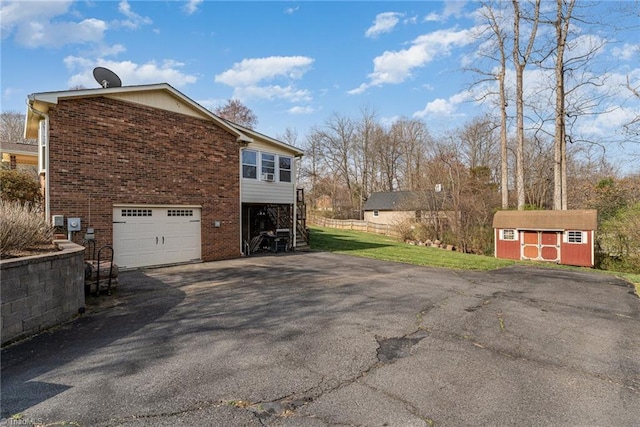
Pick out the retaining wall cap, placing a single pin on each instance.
(67, 248)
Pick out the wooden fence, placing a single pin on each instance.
(354, 224)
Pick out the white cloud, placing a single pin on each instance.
(249, 76)
(291, 10)
(394, 67)
(212, 103)
(360, 89)
(251, 71)
(192, 6)
(129, 72)
(289, 93)
(133, 20)
(437, 106)
(301, 110)
(15, 14)
(451, 8)
(627, 51)
(384, 23)
(444, 107)
(38, 24)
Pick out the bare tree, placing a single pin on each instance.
(236, 112)
(494, 49)
(310, 169)
(290, 136)
(12, 128)
(364, 157)
(633, 127)
(520, 59)
(414, 140)
(389, 151)
(336, 141)
(478, 144)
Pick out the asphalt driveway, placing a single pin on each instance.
(316, 339)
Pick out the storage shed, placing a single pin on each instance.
(563, 237)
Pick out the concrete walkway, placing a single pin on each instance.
(317, 339)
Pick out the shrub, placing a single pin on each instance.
(19, 186)
(22, 226)
(619, 240)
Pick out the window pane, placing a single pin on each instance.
(268, 163)
(285, 176)
(574, 237)
(285, 162)
(508, 235)
(249, 157)
(249, 171)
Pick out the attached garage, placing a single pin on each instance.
(156, 235)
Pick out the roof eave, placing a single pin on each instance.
(46, 99)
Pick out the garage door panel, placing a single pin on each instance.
(146, 236)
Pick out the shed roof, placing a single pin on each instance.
(585, 219)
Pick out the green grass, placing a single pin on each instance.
(369, 245)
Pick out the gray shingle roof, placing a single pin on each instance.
(395, 201)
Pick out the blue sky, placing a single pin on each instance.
(293, 63)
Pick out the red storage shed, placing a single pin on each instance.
(563, 237)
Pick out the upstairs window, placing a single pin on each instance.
(376, 213)
(268, 163)
(285, 169)
(268, 166)
(249, 164)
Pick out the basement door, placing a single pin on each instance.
(145, 236)
(541, 245)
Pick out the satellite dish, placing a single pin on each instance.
(106, 78)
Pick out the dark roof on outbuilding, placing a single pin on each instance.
(391, 201)
(586, 219)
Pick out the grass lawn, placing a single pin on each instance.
(369, 245)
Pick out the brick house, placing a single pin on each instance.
(153, 174)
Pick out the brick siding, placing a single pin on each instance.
(105, 152)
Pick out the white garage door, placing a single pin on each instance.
(145, 236)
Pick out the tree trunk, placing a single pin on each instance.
(520, 61)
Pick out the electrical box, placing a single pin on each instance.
(73, 224)
(90, 234)
(57, 220)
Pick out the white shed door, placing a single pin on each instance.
(145, 236)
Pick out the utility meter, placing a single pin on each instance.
(73, 224)
(90, 234)
(58, 220)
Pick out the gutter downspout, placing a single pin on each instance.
(47, 198)
(295, 201)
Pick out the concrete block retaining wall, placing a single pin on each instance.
(41, 291)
